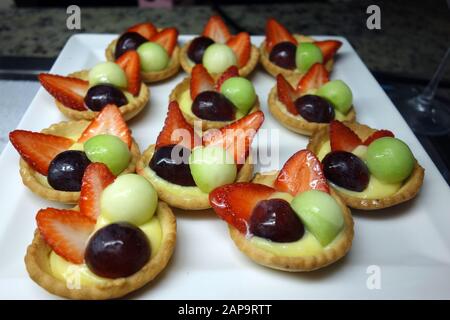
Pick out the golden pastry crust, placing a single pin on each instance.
(293, 75)
(335, 251)
(67, 129)
(173, 195)
(38, 266)
(184, 85)
(128, 111)
(407, 191)
(152, 76)
(244, 71)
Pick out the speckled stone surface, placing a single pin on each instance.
(413, 38)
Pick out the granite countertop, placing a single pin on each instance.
(411, 42)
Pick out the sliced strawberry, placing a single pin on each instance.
(66, 232)
(167, 38)
(95, 179)
(328, 48)
(146, 29)
(175, 121)
(236, 137)
(276, 33)
(201, 81)
(286, 94)
(67, 90)
(38, 149)
(231, 72)
(302, 172)
(342, 138)
(234, 203)
(241, 46)
(377, 135)
(108, 121)
(131, 64)
(316, 76)
(217, 30)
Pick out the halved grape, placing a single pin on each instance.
(283, 55)
(314, 108)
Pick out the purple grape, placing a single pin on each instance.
(214, 106)
(314, 108)
(283, 55)
(197, 48)
(128, 41)
(66, 170)
(100, 95)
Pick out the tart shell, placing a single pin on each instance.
(244, 71)
(128, 111)
(65, 129)
(152, 76)
(172, 197)
(38, 266)
(184, 85)
(338, 249)
(407, 191)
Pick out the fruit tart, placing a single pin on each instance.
(83, 94)
(157, 49)
(217, 49)
(312, 103)
(118, 238)
(215, 101)
(370, 169)
(53, 161)
(289, 220)
(292, 54)
(184, 167)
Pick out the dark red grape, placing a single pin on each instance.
(283, 55)
(346, 170)
(66, 170)
(275, 220)
(117, 250)
(314, 108)
(128, 41)
(197, 48)
(214, 106)
(100, 95)
(171, 163)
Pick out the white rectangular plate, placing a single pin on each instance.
(409, 245)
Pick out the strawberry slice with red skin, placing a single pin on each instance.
(108, 121)
(286, 94)
(328, 48)
(95, 179)
(276, 33)
(176, 121)
(38, 149)
(146, 29)
(231, 72)
(67, 90)
(66, 232)
(342, 138)
(377, 135)
(302, 172)
(131, 64)
(201, 81)
(167, 38)
(241, 46)
(236, 137)
(316, 76)
(235, 202)
(216, 29)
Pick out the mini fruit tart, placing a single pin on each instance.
(215, 103)
(313, 103)
(53, 161)
(293, 55)
(369, 169)
(217, 50)
(157, 49)
(288, 220)
(118, 238)
(184, 168)
(83, 94)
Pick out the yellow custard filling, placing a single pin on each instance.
(80, 273)
(185, 103)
